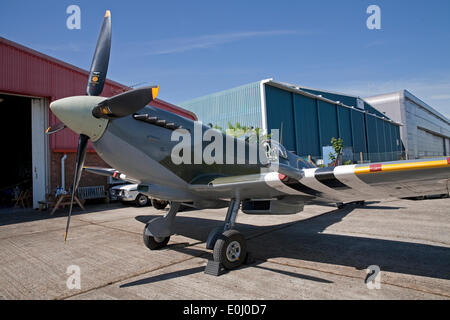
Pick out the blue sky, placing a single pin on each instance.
(193, 48)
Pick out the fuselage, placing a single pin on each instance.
(143, 151)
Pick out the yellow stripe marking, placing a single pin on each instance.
(405, 166)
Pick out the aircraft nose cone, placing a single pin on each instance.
(76, 113)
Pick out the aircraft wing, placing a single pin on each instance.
(396, 179)
(110, 172)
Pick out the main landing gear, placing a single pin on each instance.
(228, 245)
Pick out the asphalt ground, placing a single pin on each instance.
(320, 253)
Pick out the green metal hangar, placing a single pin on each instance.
(307, 118)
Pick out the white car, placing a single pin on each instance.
(128, 193)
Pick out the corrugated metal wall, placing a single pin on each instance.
(27, 72)
(241, 104)
(308, 123)
(345, 99)
(306, 120)
(280, 115)
(425, 131)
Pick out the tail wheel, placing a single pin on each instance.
(154, 243)
(159, 204)
(230, 249)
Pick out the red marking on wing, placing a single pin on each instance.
(375, 167)
(282, 177)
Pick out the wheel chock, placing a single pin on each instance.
(249, 259)
(214, 268)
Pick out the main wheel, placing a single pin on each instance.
(230, 249)
(141, 200)
(159, 204)
(154, 243)
(340, 205)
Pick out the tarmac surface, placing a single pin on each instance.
(320, 253)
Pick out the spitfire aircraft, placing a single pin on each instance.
(137, 141)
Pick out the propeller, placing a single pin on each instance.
(99, 66)
(96, 82)
(81, 156)
(89, 115)
(125, 103)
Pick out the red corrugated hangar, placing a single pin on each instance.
(29, 82)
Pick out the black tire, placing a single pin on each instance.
(223, 243)
(151, 243)
(159, 204)
(141, 200)
(340, 205)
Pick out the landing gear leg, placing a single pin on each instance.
(229, 223)
(157, 232)
(230, 248)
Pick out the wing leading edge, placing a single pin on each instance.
(396, 179)
(383, 180)
(377, 181)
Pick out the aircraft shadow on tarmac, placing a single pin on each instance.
(10, 216)
(305, 240)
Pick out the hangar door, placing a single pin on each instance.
(429, 145)
(39, 150)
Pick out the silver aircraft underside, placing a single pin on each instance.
(334, 184)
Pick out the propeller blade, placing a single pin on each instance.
(81, 155)
(55, 128)
(99, 66)
(125, 103)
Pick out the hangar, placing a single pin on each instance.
(29, 81)
(307, 118)
(425, 131)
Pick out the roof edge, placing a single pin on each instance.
(282, 85)
(54, 60)
(404, 93)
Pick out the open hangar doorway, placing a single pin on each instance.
(16, 148)
(24, 150)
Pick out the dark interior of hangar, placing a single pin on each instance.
(16, 149)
